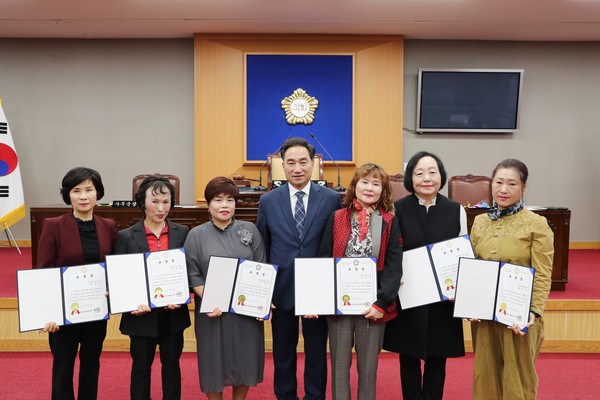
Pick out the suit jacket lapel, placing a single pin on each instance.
(174, 233)
(139, 235)
(286, 209)
(314, 201)
(73, 230)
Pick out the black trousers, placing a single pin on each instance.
(285, 340)
(143, 350)
(63, 345)
(429, 385)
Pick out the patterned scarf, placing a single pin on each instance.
(495, 213)
(364, 216)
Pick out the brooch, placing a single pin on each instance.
(246, 236)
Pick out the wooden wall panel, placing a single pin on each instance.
(567, 330)
(220, 100)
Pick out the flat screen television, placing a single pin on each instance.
(469, 100)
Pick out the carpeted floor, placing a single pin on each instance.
(562, 377)
(27, 375)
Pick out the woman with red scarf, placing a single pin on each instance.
(365, 227)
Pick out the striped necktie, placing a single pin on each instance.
(300, 214)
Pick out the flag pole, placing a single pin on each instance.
(9, 235)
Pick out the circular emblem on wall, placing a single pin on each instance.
(299, 107)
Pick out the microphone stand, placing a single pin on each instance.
(260, 187)
(339, 187)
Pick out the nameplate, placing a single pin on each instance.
(124, 204)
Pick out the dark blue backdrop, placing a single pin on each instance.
(271, 78)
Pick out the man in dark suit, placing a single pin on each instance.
(291, 220)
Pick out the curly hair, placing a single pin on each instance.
(386, 202)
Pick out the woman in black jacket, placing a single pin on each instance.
(428, 332)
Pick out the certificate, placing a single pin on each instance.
(495, 291)
(67, 295)
(167, 278)
(356, 287)
(329, 286)
(314, 281)
(429, 272)
(445, 256)
(84, 289)
(239, 286)
(155, 279)
(254, 289)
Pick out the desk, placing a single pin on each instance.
(559, 221)
(126, 217)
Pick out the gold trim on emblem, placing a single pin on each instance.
(299, 107)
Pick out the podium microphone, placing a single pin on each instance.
(260, 187)
(339, 187)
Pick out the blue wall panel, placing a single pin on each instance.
(271, 78)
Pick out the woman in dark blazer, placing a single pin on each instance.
(163, 327)
(76, 238)
(366, 227)
(428, 332)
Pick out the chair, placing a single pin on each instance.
(398, 189)
(470, 189)
(275, 169)
(137, 181)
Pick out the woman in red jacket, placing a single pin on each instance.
(366, 227)
(76, 238)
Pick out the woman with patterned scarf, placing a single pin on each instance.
(365, 227)
(504, 365)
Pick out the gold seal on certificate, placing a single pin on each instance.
(299, 107)
(356, 284)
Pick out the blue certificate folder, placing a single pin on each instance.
(62, 295)
(155, 279)
(320, 290)
(494, 291)
(238, 286)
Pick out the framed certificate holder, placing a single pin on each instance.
(494, 291)
(221, 101)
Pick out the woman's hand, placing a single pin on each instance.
(311, 316)
(50, 327)
(270, 314)
(515, 328)
(470, 320)
(373, 313)
(172, 307)
(216, 313)
(142, 309)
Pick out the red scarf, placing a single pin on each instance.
(364, 217)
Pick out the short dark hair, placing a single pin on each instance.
(515, 164)
(78, 175)
(385, 200)
(412, 163)
(298, 141)
(158, 185)
(221, 185)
